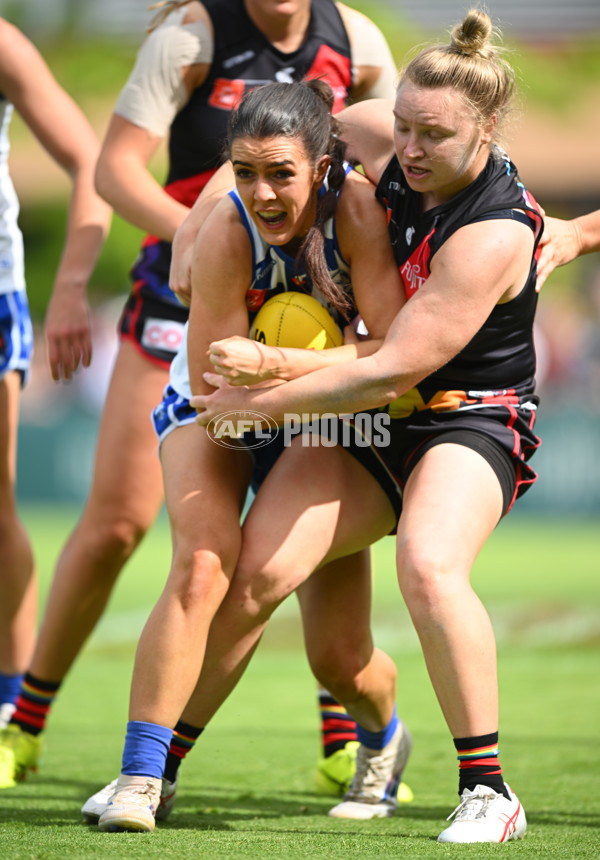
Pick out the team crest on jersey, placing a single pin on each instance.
(285, 76)
(409, 235)
(226, 93)
(255, 299)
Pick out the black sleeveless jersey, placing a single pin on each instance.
(499, 362)
(243, 59)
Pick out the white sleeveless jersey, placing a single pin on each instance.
(12, 272)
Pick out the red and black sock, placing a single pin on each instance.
(337, 726)
(479, 764)
(184, 738)
(33, 703)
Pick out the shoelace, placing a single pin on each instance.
(370, 771)
(135, 794)
(480, 802)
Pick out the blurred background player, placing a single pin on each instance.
(196, 63)
(27, 85)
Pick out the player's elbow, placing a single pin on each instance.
(105, 180)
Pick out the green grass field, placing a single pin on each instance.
(246, 790)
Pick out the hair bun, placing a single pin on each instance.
(321, 89)
(473, 35)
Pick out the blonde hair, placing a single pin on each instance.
(166, 7)
(471, 65)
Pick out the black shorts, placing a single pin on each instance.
(156, 328)
(503, 435)
(491, 451)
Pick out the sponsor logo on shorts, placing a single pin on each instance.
(162, 334)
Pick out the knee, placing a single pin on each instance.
(258, 587)
(15, 546)
(110, 540)
(426, 579)
(341, 670)
(199, 579)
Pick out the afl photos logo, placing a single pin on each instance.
(251, 429)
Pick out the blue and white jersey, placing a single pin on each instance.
(12, 270)
(273, 272)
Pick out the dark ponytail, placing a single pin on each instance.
(301, 110)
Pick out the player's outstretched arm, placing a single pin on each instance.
(564, 240)
(66, 135)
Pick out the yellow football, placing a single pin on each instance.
(296, 320)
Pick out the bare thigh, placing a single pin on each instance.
(205, 489)
(316, 505)
(127, 479)
(10, 388)
(452, 502)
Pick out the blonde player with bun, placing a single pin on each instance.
(456, 374)
(195, 63)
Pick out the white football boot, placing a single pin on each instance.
(483, 815)
(132, 806)
(95, 805)
(373, 792)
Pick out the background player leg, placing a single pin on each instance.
(124, 500)
(18, 588)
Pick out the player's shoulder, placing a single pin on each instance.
(378, 113)
(12, 41)
(195, 12)
(224, 229)
(357, 186)
(368, 130)
(358, 210)
(192, 22)
(353, 19)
